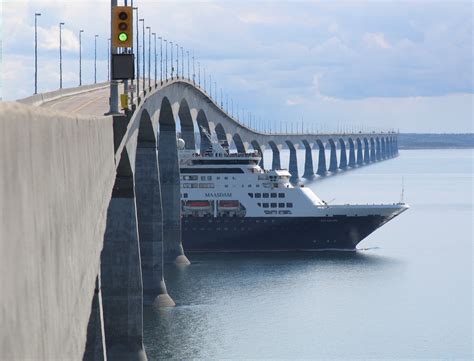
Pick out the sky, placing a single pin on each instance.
(329, 65)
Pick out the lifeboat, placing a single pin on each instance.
(197, 206)
(229, 205)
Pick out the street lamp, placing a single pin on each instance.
(171, 62)
(109, 44)
(182, 63)
(161, 60)
(36, 52)
(177, 61)
(199, 73)
(60, 56)
(80, 57)
(149, 57)
(154, 39)
(166, 59)
(194, 71)
(138, 57)
(143, 32)
(189, 76)
(204, 80)
(95, 58)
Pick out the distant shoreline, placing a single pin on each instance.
(435, 141)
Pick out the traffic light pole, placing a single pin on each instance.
(113, 99)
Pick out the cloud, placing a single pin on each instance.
(48, 39)
(377, 40)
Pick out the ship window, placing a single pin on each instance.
(185, 195)
(273, 205)
(273, 195)
(250, 186)
(251, 195)
(226, 177)
(281, 195)
(265, 205)
(209, 177)
(218, 177)
(203, 177)
(193, 177)
(281, 205)
(265, 195)
(226, 186)
(289, 205)
(259, 204)
(258, 195)
(194, 185)
(258, 186)
(233, 178)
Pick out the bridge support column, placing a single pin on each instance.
(366, 151)
(372, 150)
(333, 157)
(343, 157)
(170, 195)
(352, 161)
(150, 221)
(256, 146)
(293, 166)
(276, 164)
(322, 170)
(360, 156)
(308, 161)
(121, 272)
(384, 154)
(378, 154)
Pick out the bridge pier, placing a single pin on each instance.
(352, 161)
(276, 164)
(170, 187)
(308, 162)
(95, 343)
(293, 166)
(384, 154)
(372, 150)
(150, 216)
(121, 272)
(256, 146)
(360, 156)
(366, 151)
(343, 157)
(322, 170)
(377, 149)
(333, 157)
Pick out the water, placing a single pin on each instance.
(406, 294)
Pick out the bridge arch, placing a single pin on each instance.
(322, 170)
(239, 144)
(343, 156)
(360, 156)
(222, 137)
(256, 146)
(202, 122)
(276, 163)
(366, 151)
(383, 154)
(333, 156)
(378, 155)
(308, 162)
(293, 166)
(372, 150)
(187, 125)
(352, 159)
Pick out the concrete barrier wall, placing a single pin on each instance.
(56, 177)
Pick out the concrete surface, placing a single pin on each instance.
(55, 187)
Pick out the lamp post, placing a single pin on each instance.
(138, 57)
(143, 32)
(187, 53)
(60, 56)
(204, 80)
(149, 57)
(36, 52)
(95, 58)
(177, 61)
(182, 63)
(166, 59)
(171, 62)
(199, 73)
(109, 45)
(80, 57)
(161, 60)
(194, 71)
(156, 75)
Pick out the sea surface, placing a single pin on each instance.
(405, 294)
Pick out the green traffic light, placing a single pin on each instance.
(123, 37)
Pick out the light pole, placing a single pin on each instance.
(138, 57)
(143, 32)
(149, 57)
(194, 71)
(171, 62)
(204, 80)
(109, 44)
(95, 58)
(199, 73)
(156, 75)
(187, 53)
(166, 59)
(177, 61)
(60, 56)
(80, 57)
(182, 63)
(36, 52)
(113, 86)
(161, 60)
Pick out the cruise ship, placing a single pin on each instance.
(229, 203)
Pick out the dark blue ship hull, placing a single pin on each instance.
(276, 233)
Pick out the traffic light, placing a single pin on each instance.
(122, 27)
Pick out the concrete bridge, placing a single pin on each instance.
(90, 211)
